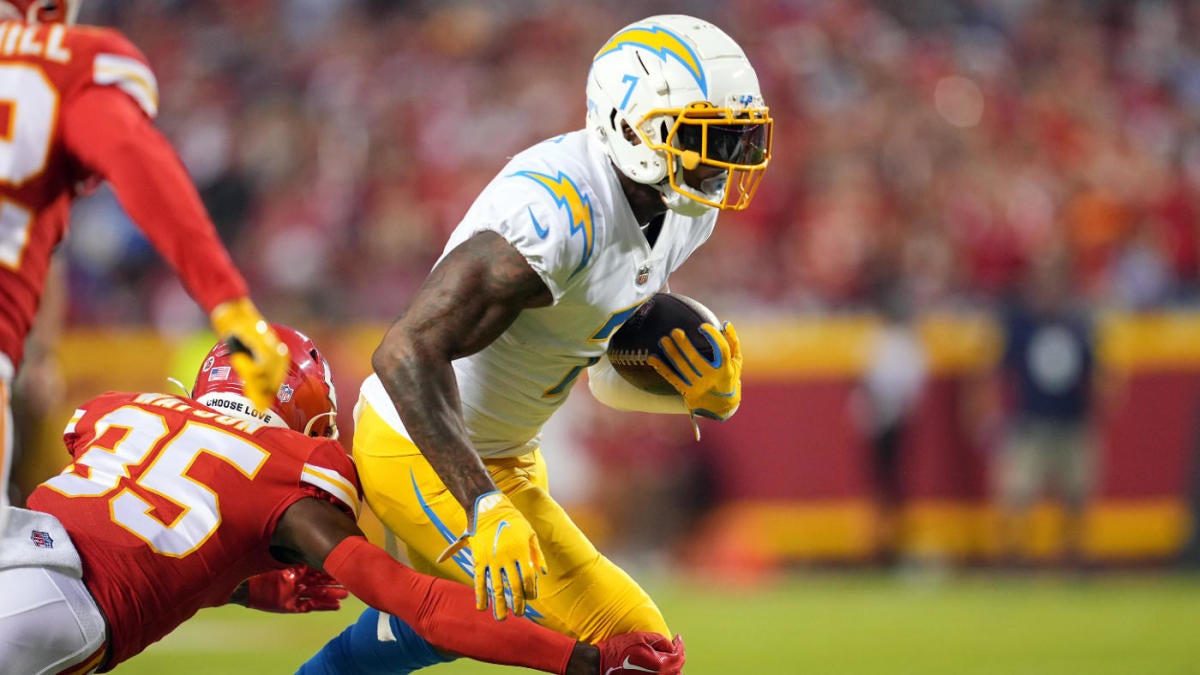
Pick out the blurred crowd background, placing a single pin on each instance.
(931, 158)
(941, 144)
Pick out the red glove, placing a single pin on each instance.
(294, 590)
(633, 653)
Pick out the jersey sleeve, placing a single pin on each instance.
(121, 65)
(80, 430)
(110, 136)
(329, 470)
(74, 431)
(114, 62)
(546, 215)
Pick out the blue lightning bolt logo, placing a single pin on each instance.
(663, 43)
(578, 207)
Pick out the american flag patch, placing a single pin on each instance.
(219, 373)
(41, 539)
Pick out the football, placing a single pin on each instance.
(637, 339)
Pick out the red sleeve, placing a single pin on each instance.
(110, 135)
(443, 612)
(329, 469)
(81, 427)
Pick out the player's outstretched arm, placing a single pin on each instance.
(470, 298)
(444, 615)
(110, 135)
(441, 611)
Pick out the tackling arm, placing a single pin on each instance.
(441, 611)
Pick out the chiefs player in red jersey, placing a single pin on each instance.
(77, 105)
(172, 502)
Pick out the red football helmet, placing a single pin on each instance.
(306, 400)
(45, 11)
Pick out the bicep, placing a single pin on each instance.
(472, 296)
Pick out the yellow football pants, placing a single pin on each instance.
(584, 595)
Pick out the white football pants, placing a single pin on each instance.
(48, 622)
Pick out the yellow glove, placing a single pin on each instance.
(260, 359)
(711, 389)
(506, 554)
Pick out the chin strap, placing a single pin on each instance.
(681, 204)
(308, 427)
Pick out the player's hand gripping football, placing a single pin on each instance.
(294, 590)
(506, 554)
(711, 389)
(631, 653)
(260, 359)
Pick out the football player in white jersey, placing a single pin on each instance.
(556, 253)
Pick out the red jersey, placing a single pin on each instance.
(172, 504)
(76, 104)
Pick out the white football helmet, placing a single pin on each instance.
(41, 11)
(690, 97)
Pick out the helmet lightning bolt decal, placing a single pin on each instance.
(663, 43)
(578, 207)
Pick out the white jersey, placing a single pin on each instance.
(560, 204)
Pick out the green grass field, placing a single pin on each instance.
(817, 624)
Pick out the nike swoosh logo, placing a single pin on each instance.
(537, 227)
(630, 667)
(496, 540)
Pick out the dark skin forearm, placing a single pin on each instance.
(468, 301)
(423, 389)
(585, 660)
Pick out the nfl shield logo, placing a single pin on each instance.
(285, 393)
(41, 539)
(643, 274)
